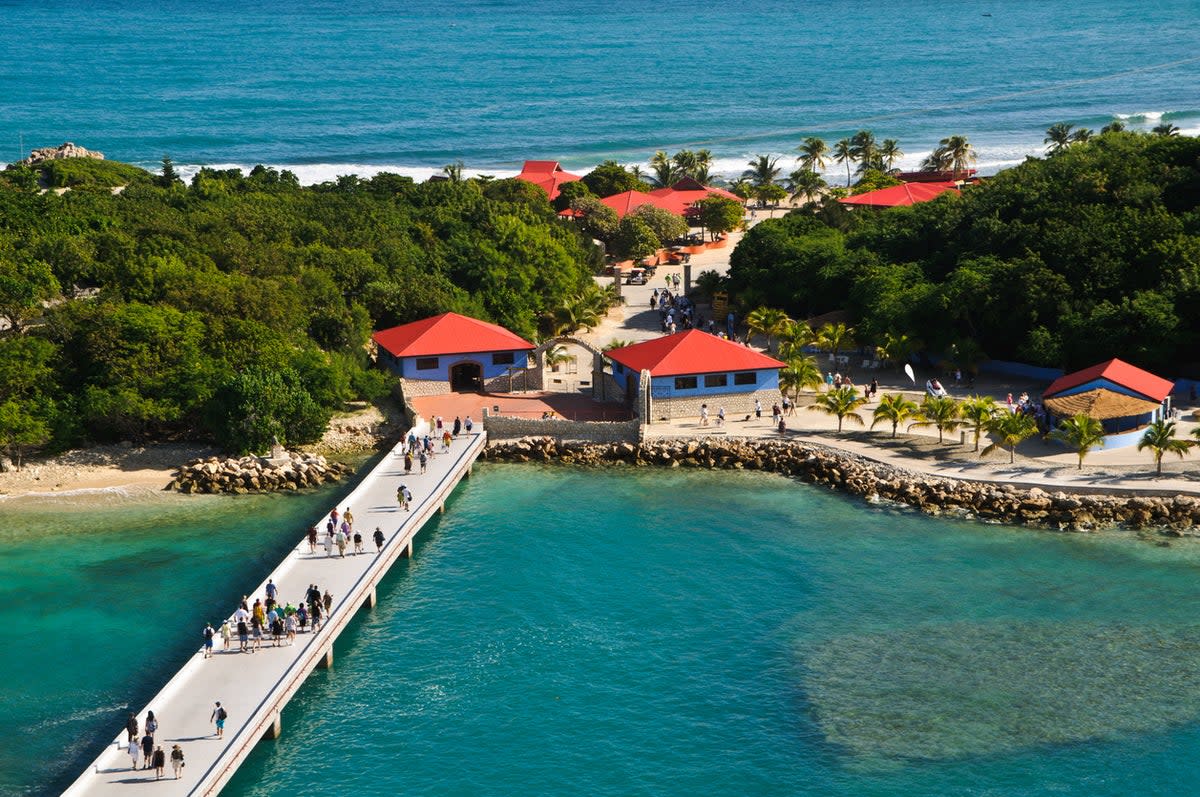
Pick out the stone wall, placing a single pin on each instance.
(504, 427)
(521, 381)
(424, 387)
(737, 405)
(1078, 510)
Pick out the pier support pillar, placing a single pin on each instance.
(275, 729)
(441, 509)
(326, 661)
(371, 600)
(407, 551)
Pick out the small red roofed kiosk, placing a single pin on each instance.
(452, 352)
(1123, 397)
(691, 368)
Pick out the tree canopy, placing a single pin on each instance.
(239, 306)
(1064, 261)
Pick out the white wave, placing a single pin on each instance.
(1144, 117)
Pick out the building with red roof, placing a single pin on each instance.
(628, 201)
(691, 368)
(1121, 396)
(681, 196)
(460, 352)
(547, 175)
(901, 195)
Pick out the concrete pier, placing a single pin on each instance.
(254, 687)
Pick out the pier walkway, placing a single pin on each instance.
(254, 687)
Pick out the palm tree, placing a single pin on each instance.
(978, 411)
(1058, 137)
(1165, 129)
(1115, 126)
(940, 411)
(557, 355)
(768, 321)
(897, 349)
(890, 152)
(664, 172)
(813, 154)
(1160, 438)
(1010, 428)
(1082, 433)
(453, 171)
(800, 372)
(793, 339)
(959, 151)
(616, 343)
(1081, 136)
(936, 161)
(843, 152)
(702, 161)
(896, 408)
(805, 184)
(583, 310)
(866, 149)
(832, 337)
(842, 402)
(762, 171)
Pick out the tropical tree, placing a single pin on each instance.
(169, 178)
(453, 171)
(580, 311)
(708, 283)
(805, 184)
(663, 170)
(977, 412)
(1081, 432)
(596, 219)
(895, 408)
(611, 178)
(959, 151)
(635, 239)
(615, 343)
(814, 154)
(843, 152)
(763, 171)
(719, 215)
(865, 149)
(557, 355)
(799, 373)
(937, 161)
(767, 321)
(1115, 126)
(841, 402)
(694, 164)
(897, 349)
(889, 153)
(832, 337)
(1160, 439)
(1058, 137)
(794, 338)
(1081, 136)
(942, 412)
(667, 226)
(1165, 129)
(1009, 429)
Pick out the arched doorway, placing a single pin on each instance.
(466, 377)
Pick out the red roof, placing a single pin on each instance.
(1118, 372)
(448, 333)
(629, 201)
(691, 352)
(547, 175)
(901, 195)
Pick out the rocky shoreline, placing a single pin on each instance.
(240, 475)
(1173, 515)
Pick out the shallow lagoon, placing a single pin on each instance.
(648, 632)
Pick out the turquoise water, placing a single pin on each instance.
(620, 632)
(330, 87)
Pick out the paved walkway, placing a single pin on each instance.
(254, 687)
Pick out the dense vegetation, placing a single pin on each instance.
(1090, 253)
(238, 307)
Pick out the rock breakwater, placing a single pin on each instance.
(239, 475)
(1176, 515)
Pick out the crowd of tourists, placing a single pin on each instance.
(146, 748)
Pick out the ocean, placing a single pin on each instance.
(620, 631)
(357, 86)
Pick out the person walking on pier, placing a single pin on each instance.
(341, 543)
(446, 438)
(408, 462)
(209, 633)
(160, 762)
(289, 628)
(423, 458)
(348, 517)
(457, 430)
(468, 424)
(177, 760)
(131, 727)
(329, 542)
(403, 497)
(272, 590)
(312, 540)
(135, 750)
(151, 724)
(358, 548)
(378, 540)
(328, 601)
(219, 716)
(147, 750)
(226, 635)
(302, 616)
